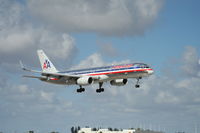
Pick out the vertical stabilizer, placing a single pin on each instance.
(46, 64)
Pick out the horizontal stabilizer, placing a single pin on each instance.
(26, 69)
(53, 74)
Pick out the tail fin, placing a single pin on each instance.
(46, 64)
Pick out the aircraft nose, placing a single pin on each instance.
(150, 71)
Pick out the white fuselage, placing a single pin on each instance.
(103, 74)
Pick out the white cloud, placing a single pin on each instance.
(191, 83)
(47, 96)
(12, 37)
(108, 49)
(165, 93)
(14, 40)
(163, 96)
(10, 13)
(19, 39)
(22, 45)
(166, 97)
(59, 46)
(199, 67)
(111, 17)
(23, 88)
(93, 60)
(96, 60)
(31, 100)
(129, 110)
(191, 61)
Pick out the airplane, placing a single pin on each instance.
(117, 75)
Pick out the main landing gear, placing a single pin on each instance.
(137, 83)
(81, 89)
(100, 88)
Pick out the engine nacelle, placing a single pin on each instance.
(118, 82)
(84, 80)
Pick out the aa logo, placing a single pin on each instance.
(46, 64)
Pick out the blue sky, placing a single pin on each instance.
(175, 28)
(79, 34)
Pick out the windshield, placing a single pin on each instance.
(141, 66)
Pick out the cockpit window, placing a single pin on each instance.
(144, 66)
(141, 66)
(137, 65)
(147, 66)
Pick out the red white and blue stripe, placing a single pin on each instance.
(117, 69)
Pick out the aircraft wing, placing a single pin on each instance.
(37, 77)
(59, 75)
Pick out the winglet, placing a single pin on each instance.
(22, 65)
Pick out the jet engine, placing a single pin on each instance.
(84, 80)
(118, 82)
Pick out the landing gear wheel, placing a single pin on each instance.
(137, 86)
(80, 89)
(137, 83)
(100, 89)
(97, 91)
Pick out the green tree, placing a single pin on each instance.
(110, 129)
(76, 130)
(54, 132)
(94, 129)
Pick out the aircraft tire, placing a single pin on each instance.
(137, 86)
(98, 90)
(82, 89)
(78, 91)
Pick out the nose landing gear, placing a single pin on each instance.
(137, 83)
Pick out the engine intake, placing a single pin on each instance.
(118, 82)
(84, 81)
